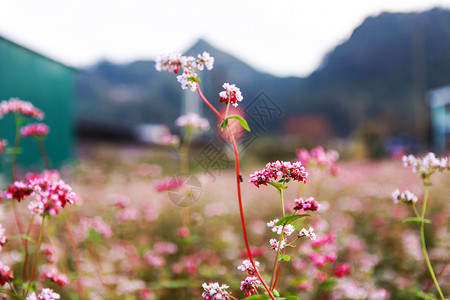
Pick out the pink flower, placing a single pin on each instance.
(317, 259)
(342, 270)
(37, 129)
(18, 191)
(52, 274)
(6, 274)
(250, 285)
(165, 248)
(169, 183)
(232, 94)
(326, 239)
(3, 143)
(46, 294)
(405, 197)
(306, 204)
(318, 156)
(154, 260)
(49, 253)
(18, 106)
(183, 232)
(283, 170)
(214, 291)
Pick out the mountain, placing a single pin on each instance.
(378, 78)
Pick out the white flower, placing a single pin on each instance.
(308, 233)
(187, 80)
(193, 120)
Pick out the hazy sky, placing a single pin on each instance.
(280, 37)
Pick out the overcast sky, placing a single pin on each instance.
(280, 37)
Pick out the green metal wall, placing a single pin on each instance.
(49, 85)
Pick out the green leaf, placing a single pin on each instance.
(279, 186)
(422, 295)
(290, 219)
(23, 237)
(224, 124)
(241, 121)
(328, 284)
(416, 220)
(258, 297)
(276, 293)
(292, 298)
(285, 257)
(194, 79)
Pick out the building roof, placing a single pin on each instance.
(2, 38)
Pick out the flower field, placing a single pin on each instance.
(140, 222)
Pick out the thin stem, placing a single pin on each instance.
(278, 271)
(11, 284)
(25, 263)
(275, 263)
(18, 120)
(422, 238)
(282, 204)
(415, 211)
(77, 259)
(36, 254)
(184, 151)
(238, 184)
(208, 103)
(43, 152)
(228, 107)
(430, 284)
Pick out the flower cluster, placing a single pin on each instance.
(49, 195)
(278, 229)
(189, 64)
(6, 274)
(46, 294)
(214, 291)
(3, 143)
(193, 120)
(308, 233)
(37, 129)
(19, 106)
(250, 285)
(283, 170)
(274, 244)
(318, 156)
(306, 204)
(406, 197)
(52, 274)
(232, 94)
(426, 165)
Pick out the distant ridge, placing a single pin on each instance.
(378, 77)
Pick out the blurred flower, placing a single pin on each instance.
(165, 248)
(49, 253)
(3, 236)
(3, 143)
(169, 63)
(19, 106)
(153, 259)
(426, 165)
(205, 60)
(52, 274)
(232, 94)
(46, 294)
(6, 274)
(37, 129)
(342, 270)
(214, 291)
(406, 197)
(193, 120)
(188, 79)
(169, 183)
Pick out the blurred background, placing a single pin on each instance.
(369, 79)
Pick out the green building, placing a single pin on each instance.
(49, 85)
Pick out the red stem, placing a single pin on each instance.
(238, 184)
(278, 271)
